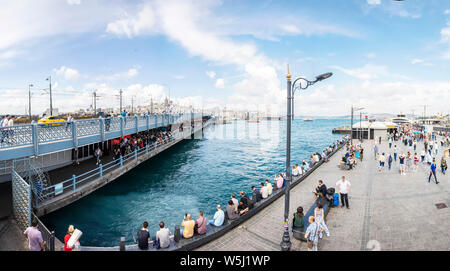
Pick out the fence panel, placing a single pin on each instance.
(21, 200)
(15, 136)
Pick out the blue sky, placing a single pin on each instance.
(386, 56)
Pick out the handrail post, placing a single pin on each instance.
(122, 132)
(74, 184)
(146, 149)
(35, 139)
(100, 166)
(102, 128)
(135, 152)
(52, 241)
(121, 161)
(74, 134)
(136, 121)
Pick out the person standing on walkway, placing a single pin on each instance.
(401, 159)
(443, 165)
(422, 156)
(344, 186)
(375, 151)
(390, 142)
(4, 124)
(312, 234)
(395, 153)
(35, 241)
(69, 121)
(382, 160)
(433, 172)
(98, 155)
(390, 161)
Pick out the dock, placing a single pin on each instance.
(388, 211)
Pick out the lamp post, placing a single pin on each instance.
(29, 99)
(49, 79)
(351, 125)
(291, 88)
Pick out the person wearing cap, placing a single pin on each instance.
(70, 231)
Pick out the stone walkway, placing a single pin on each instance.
(388, 211)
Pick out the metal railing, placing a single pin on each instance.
(38, 135)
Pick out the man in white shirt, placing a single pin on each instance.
(163, 236)
(218, 217)
(269, 187)
(235, 201)
(344, 186)
(264, 191)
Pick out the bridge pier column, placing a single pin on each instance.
(136, 123)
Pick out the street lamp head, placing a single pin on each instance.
(323, 76)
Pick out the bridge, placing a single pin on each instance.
(21, 146)
(37, 139)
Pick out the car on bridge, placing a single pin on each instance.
(52, 121)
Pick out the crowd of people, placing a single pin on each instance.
(128, 144)
(409, 161)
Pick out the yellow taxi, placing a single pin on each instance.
(55, 121)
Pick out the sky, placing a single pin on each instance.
(386, 56)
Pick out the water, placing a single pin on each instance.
(191, 176)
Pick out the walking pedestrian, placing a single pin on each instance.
(433, 172)
(312, 234)
(34, 235)
(390, 161)
(395, 153)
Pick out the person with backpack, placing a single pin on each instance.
(433, 172)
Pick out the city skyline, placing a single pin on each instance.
(387, 56)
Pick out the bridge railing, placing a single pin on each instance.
(33, 139)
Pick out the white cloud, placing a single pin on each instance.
(130, 73)
(68, 73)
(373, 2)
(211, 74)
(185, 23)
(447, 11)
(74, 2)
(370, 55)
(367, 72)
(417, 61)
(220, 83)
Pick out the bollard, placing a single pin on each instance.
(122, 244)
(101, 170)
(177, 234)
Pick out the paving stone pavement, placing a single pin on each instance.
(388, 211)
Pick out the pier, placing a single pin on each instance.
(388, 211)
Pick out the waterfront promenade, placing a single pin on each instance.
(396, 211)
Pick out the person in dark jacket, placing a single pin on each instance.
(321, 190)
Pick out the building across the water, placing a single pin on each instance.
(373, 129)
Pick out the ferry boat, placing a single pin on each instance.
(308, 119)
(400, 119)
